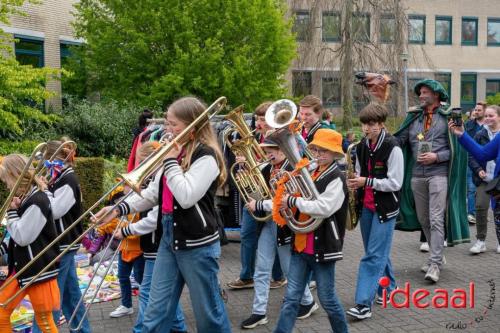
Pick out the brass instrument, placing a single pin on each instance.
(71, 145)
(246, 174)
(281, 116)
(32, 167)
(352, 218)
(134, 179)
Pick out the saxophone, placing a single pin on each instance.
(352, 217)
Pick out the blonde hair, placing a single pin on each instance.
(146, 149)
(11, 169)
(187, 109)
(63, 154)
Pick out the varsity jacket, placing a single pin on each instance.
(265, 206)
(66, 202)
(386, 176)
(31, 228)
(310, 135)
(150, 233)
(332, 205)
(194, 215)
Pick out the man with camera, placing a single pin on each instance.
(434, 186)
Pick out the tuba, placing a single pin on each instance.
(352, 218)
(134, 179)
(281, 116)
(246, 174)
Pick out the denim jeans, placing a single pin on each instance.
(67, 280)
(178, 324)
(124, 270)
(198, 269)
(266, 252)
(248, 236)
(377, 240)
(471, 194)
(301, 265)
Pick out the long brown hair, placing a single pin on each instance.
(11, 168)
(187, 109)
(63, 154)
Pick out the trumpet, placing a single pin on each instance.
(134, 179)
(281, 116)
(246, 174)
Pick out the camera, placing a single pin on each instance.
(456, 116)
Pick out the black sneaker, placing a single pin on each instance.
(254, 321)
(307, 310)
(380, 300)
(360, 311)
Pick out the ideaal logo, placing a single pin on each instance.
(421, 298)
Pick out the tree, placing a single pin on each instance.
(493, 99)
(155, 51)
(22, 88)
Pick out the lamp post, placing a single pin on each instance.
(405, 57)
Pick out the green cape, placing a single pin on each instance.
(457, 226)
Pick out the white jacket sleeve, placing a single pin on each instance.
(395, 174)
(25, 229)
(328, 202)
(190, 186)
(61, 201)
(143, 202)
(144, 226)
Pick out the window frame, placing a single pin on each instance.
(30, 39)
(469, 19)
(467, 105)
(332, 14)
(417, 17)
(369, 33)
(448, 74)
(302, 72)
(331, 104)
(497, 80)
(386, 17)
(301, 12)
(450, 38)
(492, 20)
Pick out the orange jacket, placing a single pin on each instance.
(131, 246)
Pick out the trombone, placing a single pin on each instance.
(35, 164)
(72, 149)
(134, 179)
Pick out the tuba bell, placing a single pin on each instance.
(281, 116)
(246, 174)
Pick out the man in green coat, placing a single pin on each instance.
(433, 196)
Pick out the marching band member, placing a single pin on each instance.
(272, 240)
(66, 204)
(379, 166)
(318, 251)
(189, 247)
(31, 228)
(311, 114)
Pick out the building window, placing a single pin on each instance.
(416, 29)
(469, 31)
(361, 27)
(301, 83)
(360, 99)
(387, 28)
(492, 87)
(330, 87)
(493, 32)
(412, 97)
(301, 25)
(468, 91)
(29, 51)
(444, 29)
(331, 27)
(445, 80)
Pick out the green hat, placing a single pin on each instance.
(433, 85)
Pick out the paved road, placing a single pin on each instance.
(459, 271)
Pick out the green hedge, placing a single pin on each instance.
(21, 147)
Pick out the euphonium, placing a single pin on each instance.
(281, 115)
(352, 219)
(246, 174)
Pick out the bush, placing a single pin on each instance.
(493, 100)
(90, 171)
(21, 147)
(100, 129)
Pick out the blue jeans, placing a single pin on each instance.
(377, 240)
(301, 265)
(248, 236)
(471, 194)
(178, 324)
(266, 252)
(124, 270)
(198, 269)
(70, 294)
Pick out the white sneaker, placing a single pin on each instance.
(498, 249)
(121, 311)
(433, 273)
(445, 244)
(478, 247)
(424, 247)
(471, 218)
